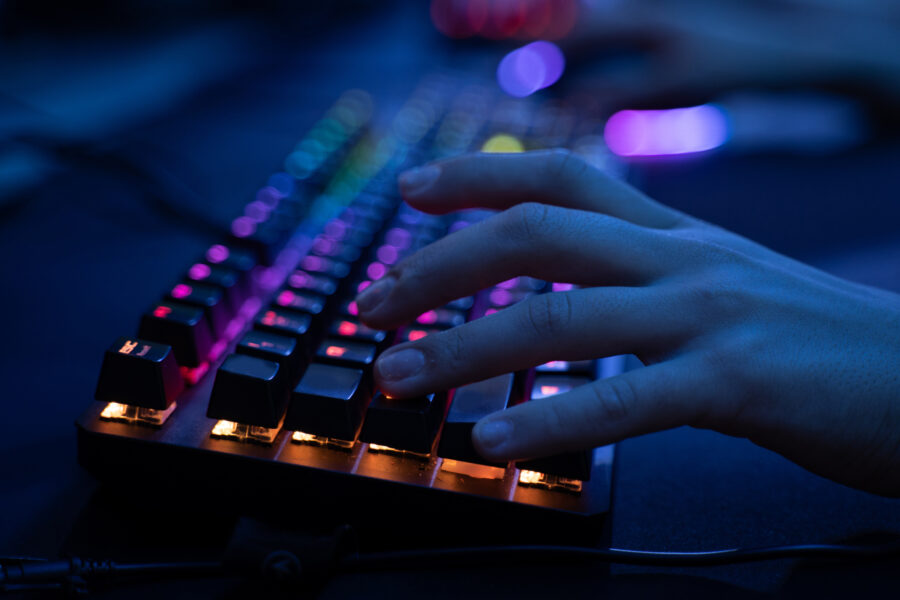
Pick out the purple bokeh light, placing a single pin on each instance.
(530, 68)
(666, 132)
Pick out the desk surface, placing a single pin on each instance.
(86, 254)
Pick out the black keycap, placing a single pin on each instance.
(578, 367)
(139, 373)
(471, 403)
(353, 329)
(222, 278)
(249, 390)
(207, 297)
(265, 242)
(405, 424)
(463, 304)
(183, 327)
(347, 353)
(286, 351)
(328, 401)
(311, 304)
(441, 318)
(573, 465)
(287, 323)
(238, 260)
(325, 266)
(311, 283)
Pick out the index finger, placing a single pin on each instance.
(556, 177)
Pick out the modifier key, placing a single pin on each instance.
(139, 373)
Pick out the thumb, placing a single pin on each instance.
(650, 399)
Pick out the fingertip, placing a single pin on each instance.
(492, 437)
(414, 183)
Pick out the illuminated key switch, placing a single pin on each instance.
(139, 373)
(286, 351)
(183, 327)
(250, 391)
(219, 277)
(354, 330)
(570, 465)
(471, 403)
(409, 424)
(207, 297)
(309, 282)
(347, 353)
(328, 402)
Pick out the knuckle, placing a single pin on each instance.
(452, 346)
(549, 315)
(613, 401)
(564, 165)
(524, 222)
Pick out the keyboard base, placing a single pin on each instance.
(390, 497)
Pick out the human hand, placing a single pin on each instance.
(736, 337)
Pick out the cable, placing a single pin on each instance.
(438, 557)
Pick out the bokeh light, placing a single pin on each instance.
(502, 143)
(666, 132)
(530, 68)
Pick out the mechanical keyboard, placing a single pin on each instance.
(252, 372)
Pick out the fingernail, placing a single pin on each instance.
(373, 295)
(495, 433)
(400, 365)
(416, 181)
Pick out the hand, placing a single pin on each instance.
(735, 337)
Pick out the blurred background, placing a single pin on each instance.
(133, 131)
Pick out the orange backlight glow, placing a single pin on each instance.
(549, 390)
(127, 347)
(335, 350)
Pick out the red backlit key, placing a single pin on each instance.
(353, 329)
(210, 299)
(328, 401)
(183, 327)
(249, 390)
(405, 424)
(572, 465)
(411, 334)
(287, 323)
(471, 403)
(347, 353)
(286, 351)
(139, 373)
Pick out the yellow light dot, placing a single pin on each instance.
(502, 143)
